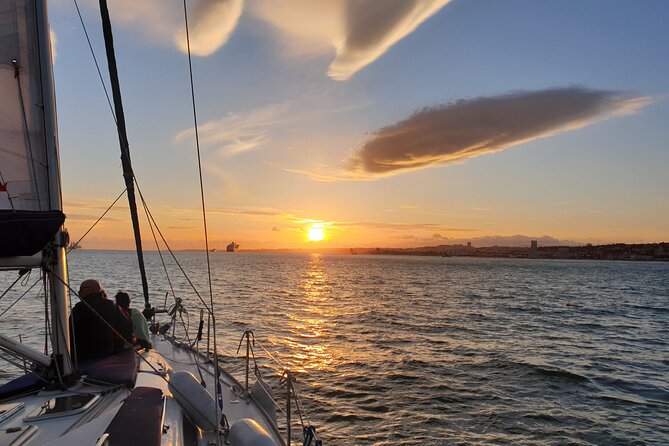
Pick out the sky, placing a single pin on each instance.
(390, 123)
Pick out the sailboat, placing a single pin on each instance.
(171, 394)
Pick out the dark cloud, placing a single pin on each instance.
(467, 128)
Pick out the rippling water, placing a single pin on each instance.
(431, 350)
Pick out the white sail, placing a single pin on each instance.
(27, 191)
(23, 159)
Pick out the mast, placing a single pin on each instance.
(123, 142)
(57, 261)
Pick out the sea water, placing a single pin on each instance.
(403, 350)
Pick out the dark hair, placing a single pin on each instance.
(123, 300)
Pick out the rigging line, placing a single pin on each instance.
(219, 395)
(98, 220)
(60, 332)
(47, 325)
(95, 59)
(186, 326)
(169, 249)
(11, 286)
(20, 297)
(300, 408)
(155, 239)
(24, 119)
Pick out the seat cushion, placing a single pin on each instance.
(139, 420)
(23, 384)
(121, 368)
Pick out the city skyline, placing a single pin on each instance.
(346, 124)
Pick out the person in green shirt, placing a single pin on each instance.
(140, 328)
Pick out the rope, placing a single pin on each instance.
(11, 286)
(20, 297)
(24, 118)
(155, 239)
(219, 395)
(219, 391)
(98, 220)
(169, 249)
(95, 59)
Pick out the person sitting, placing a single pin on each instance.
(140, 328)
(90, 337)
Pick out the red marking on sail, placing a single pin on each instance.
(3, 187)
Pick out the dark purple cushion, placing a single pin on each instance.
(139, 420)
(20, 385)
(121, 368)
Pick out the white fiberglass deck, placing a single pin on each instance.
(21, 423)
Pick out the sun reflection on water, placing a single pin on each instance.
(312, 320)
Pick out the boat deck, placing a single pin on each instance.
(96, 411)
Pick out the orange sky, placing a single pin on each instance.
(399, 127)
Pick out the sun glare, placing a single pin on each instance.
(316, 233)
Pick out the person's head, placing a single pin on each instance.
(123, 300)
(89, 287)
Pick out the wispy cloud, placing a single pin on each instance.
(359, 31)
(211, 22)
(455, 132)
(237, 133)
(400, 226)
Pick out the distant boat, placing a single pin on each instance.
(74, 245)
(232, 247)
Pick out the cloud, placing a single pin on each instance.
(238, 133)
(377, 225)
(211, 22)
(359, 31)
(275, 229)
(458, 131)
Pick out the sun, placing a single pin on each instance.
(316, 233)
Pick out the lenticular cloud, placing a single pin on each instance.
(359, 31)
(467, 128)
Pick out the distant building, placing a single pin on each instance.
(533, 248)
(232, 247)
(469, 244)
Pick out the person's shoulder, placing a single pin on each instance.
(136, 313)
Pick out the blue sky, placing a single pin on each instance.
(297, 91)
